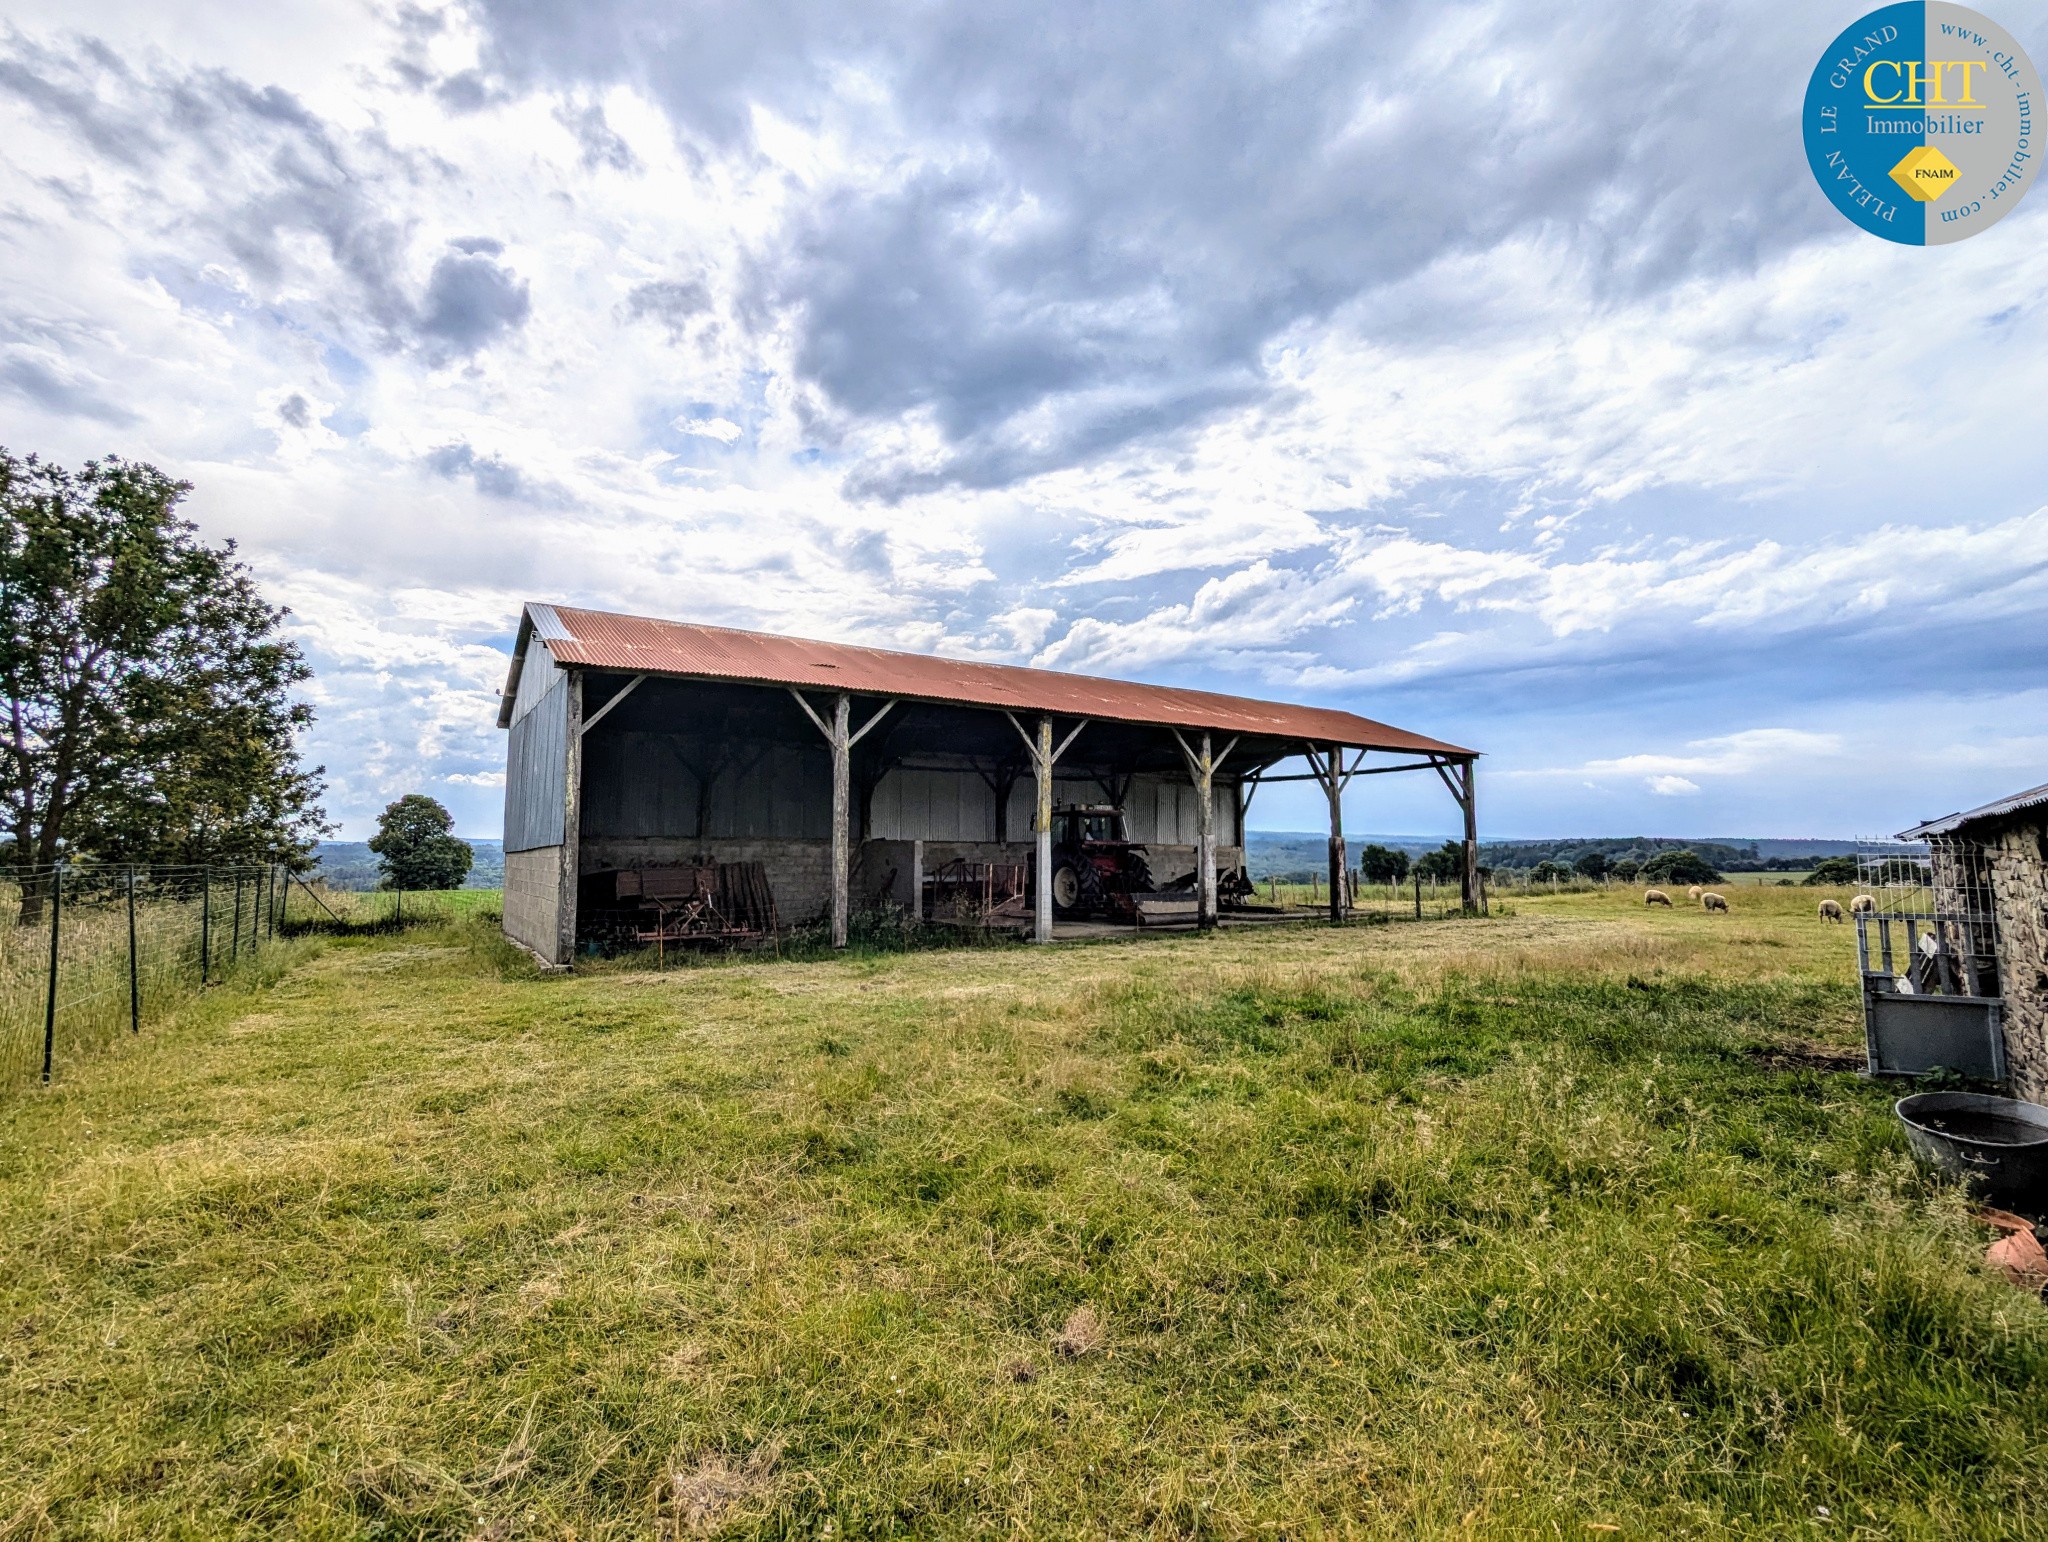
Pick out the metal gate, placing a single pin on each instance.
(1927, 956)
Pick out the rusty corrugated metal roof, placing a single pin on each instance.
(641, 645)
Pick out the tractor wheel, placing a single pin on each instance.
(1067, 893)
(1137, 875)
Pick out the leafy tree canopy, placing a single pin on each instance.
(145, 686)
(1593, 865)
(1834, 870)
(1446, 864)
(1382, 864)
(1627, 870)
(416, 846)
(1683, 866)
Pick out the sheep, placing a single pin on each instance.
(1656, 897)
(1710, 901)
(1831, 910)
(1694, 892)
(1863, 905)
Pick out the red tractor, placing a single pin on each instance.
(1096, 868)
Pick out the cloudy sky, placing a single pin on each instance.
(1496, 370)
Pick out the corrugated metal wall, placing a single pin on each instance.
(638, 785)
(959, 806)
(643, 785)
(537, 769)
(537, 676)
(913, 805)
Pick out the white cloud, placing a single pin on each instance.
(1753, 749)
(1671, 786)
(724, 430)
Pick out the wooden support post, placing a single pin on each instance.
(917, 883)
(1205, 838)
(1469, 896)
(1202, 772)
(1340, 896)
(842, 808)
(1461, 777)
(840, 739)
(1044, 756)
(1041, 900)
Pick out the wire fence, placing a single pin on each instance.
(91, 952)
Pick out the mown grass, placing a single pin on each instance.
(1525, 1226)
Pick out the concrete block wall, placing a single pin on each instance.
(800, 871)
(882, 872)
(533, 900)
(2019, 878)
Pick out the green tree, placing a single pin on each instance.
(1382, 864)
(1626, 870)
(1591, 864)
(1682, 866)
(416, 848)
(1445, 864)
(145, 686)
(1834, 870)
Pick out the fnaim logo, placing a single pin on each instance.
(1922, 123)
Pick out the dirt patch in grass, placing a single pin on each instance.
(702, 1494)
(1797, 1056)
(1083, 1333)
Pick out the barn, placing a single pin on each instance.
(1990, 900)
(641, 749)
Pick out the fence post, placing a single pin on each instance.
(50, 1001)
(1418, 895)
(134, 974)
(235, 931)
(205, 924)
(399, 919)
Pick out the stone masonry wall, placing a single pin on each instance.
(2019, 869)
(533, 899)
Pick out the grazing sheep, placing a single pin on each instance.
(1863, 905)
(1694, 892)
(1831, 910)
(1656, 897)
(1712, 901)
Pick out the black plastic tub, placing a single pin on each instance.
(1999, 1142)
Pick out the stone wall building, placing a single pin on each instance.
(2004, 846)
(636, 745)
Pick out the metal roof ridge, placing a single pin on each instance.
(1067, 677)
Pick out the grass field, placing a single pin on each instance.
(1566, 1223)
